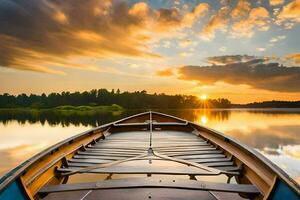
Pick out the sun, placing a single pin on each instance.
(203, 97)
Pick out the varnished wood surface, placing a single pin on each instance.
(152, 183)
(133, 194)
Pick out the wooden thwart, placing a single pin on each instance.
(86, 164)
(152, 183)
(184, 170)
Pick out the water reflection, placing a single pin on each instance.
(55, 118)
(274, 132)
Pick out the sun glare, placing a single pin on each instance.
(203, 119)
(203, 97)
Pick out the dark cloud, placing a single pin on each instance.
(227, 59)
(255, 73)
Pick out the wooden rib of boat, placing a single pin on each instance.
(148, 156)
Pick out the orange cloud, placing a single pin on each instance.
(60, 17)
(290, 13)
(218, 21)
(199, 11)
(258, 18)
(294, 57)
(165, 72)
(242, 9)
(276, 2)
(139, 9)
(67, 30)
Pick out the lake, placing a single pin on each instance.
(273, 132)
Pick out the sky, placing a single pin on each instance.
(237, 49)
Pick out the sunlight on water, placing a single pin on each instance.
(274, 133)
(21, 141)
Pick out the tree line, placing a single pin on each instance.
(129, 100)
(270, 104)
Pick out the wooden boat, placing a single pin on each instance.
(148, 156)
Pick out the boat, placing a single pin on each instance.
(150, 155)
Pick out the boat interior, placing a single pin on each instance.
(150, 156)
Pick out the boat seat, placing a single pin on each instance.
(136, 188)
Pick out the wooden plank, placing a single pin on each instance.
(71, 195)
(134, 194)
(183, 146)
(115, 147)
(118, 157)
(104, 154)
(188, 153)
(186, 150)
(200, 161)
(91, 161)
(219, 164)
(210, 160)
(200, 156)
(81, 164)
(152, 183)
(98, 161)
(144, 169)
(135, 146)
(175, 139)
(142, 124)
(154, 140)
(121, 142)
(113, 152)
(226, 195)
(99, 157)
(127, 154)
(119, 148)
(228, 168)
(156, 143)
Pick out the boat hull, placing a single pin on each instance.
(149, 144)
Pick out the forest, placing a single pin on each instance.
(128, 100)
(269, 104)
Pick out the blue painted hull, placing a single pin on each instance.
(281, 191)
(14, 191)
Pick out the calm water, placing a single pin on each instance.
(275, 132)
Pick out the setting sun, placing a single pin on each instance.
(203, 97)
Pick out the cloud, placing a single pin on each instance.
(277, 38)
(294, 57)
(229, 59)
(166, 44)
(185, 54)
(242, 9)
(255, 72)
(199, 11)
(276, 2)
(165, 72)
(240, 21)
(257, 19)
(219, 21)
(289, 14)
(40, 35)
(261, 49)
